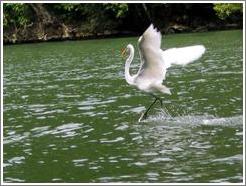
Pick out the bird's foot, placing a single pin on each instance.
(143, 116)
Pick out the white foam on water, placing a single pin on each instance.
(164, 117)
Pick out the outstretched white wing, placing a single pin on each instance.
(151, 69)
(182, 56)
(155, 61)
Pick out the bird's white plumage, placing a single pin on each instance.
(155, 61)
(182, 56)
(151, 72)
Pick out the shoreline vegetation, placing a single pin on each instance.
(39, 22)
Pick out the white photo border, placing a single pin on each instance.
(112, 183)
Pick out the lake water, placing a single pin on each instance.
(70, 116)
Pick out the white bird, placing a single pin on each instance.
(155, 62)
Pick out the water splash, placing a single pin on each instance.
(165, 116)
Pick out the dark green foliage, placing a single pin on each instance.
(72, 11)
(119, 10)
(16, 15)
(35, 21)
(224, 10)
(19, 14)
(94, 16)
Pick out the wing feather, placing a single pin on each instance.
(182, 56)
(155, 61)
(151, 56)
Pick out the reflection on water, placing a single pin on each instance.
(69, 115)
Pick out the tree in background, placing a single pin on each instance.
(16, 15)
(225, 10)
(44, 21)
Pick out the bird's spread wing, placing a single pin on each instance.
(182, 56)
(150, 37)
(151, 56)
(155, 61)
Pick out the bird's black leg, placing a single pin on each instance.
(161, 102)
(159, 99)
(144, 115)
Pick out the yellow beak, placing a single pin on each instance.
(123, 52)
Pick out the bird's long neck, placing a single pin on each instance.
(128, 77)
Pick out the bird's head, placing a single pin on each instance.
(126, 50)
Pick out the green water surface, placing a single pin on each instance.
(70, 116)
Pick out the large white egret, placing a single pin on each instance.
(155, 62)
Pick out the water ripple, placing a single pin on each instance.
(70, 116)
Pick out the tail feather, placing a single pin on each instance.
(163, 89)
